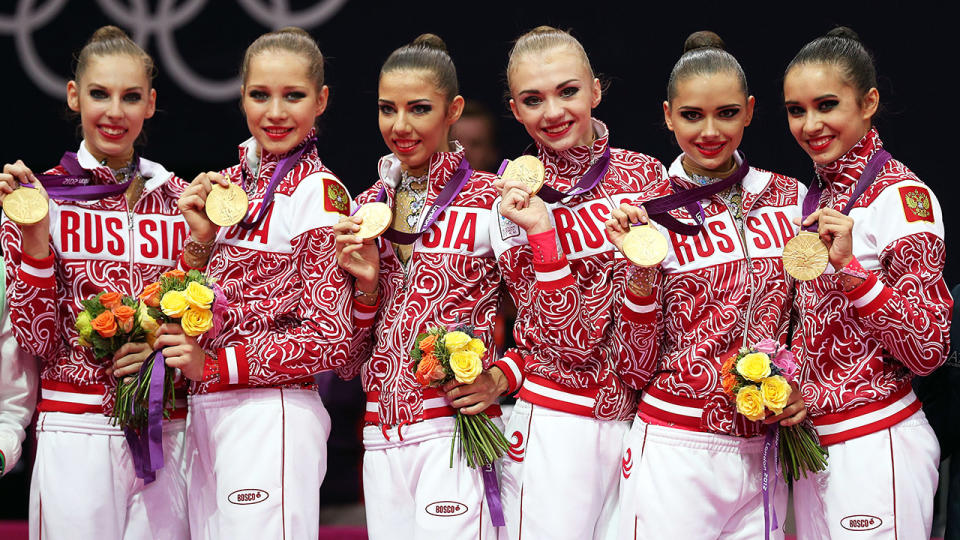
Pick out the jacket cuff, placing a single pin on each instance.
(544, 246)
(364, 315)
(639, 309)
(553, 275)
(231, 364)
(870, 295)
(512, 366)
(38, 272)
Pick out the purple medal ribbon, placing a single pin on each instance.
(450, 191)
(75, 186)
(492, 488)
(146, 447)
(812, 200)
(587, 182)
(770, 445)
(283, 167)
(690, 199)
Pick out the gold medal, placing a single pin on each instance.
(805, 257)
(26, 206)
(527, 169)
(645, 246)
(376, 218)
(226, 206)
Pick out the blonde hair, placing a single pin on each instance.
(290, 39)
(541, 39)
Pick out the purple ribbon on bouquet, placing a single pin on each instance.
(492, 489)
(76, 184)
(446, 196)
(771, 443)
(812, 200)
(587, 182)
(284, 166)
(146, 447)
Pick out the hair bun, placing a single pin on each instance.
(704, 39)
(107, 33)
(430, 41)
(844, 32)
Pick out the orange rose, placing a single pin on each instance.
(426, 369)
(105, 324)
(110, 300)
(124, 315)
(427, 344)
(179, 274)
(728, 365)
(151, 294)
(729, 381)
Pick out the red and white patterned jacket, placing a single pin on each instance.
(715, 292)
(95, 247)
(859, 350)
(451, 278)
(289, 302)
(568, 345)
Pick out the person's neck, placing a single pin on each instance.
(725, 171)
(114, 162)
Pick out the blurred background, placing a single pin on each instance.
(198, 45)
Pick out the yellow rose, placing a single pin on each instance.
(173, 304)
(148, 323)
(199, 296)
(465, 365)
(84, 329)
(455, 341)
(754, 366)
(776, 391)
(196, 321)
(476, 346)
(750, 402)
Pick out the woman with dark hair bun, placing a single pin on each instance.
(434, 268)
(877, 316)
(715, 292)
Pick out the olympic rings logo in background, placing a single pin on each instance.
(136, 17)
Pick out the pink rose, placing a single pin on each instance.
(784, 360)
(767, 346)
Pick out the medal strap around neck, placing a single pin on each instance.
(658, 208)
(75, 185)
(812, 200)
(450, 191)
(587, 182)
(284, 166)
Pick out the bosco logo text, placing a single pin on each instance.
(248, 496)
(446, 508)
(860, 523)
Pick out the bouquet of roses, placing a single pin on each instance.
(107, 322)
(758, 380)
(441, 356)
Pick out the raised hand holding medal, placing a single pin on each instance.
(24, 200)
(806, 256)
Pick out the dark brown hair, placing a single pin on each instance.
(841, 47)
(704, 54)
(426, 53)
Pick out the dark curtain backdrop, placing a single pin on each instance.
(632, 44)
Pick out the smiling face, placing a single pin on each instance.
(113, 97)
(553, 94)
(707, 115)
(280, 100)
(415, 117)
(826, 116)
